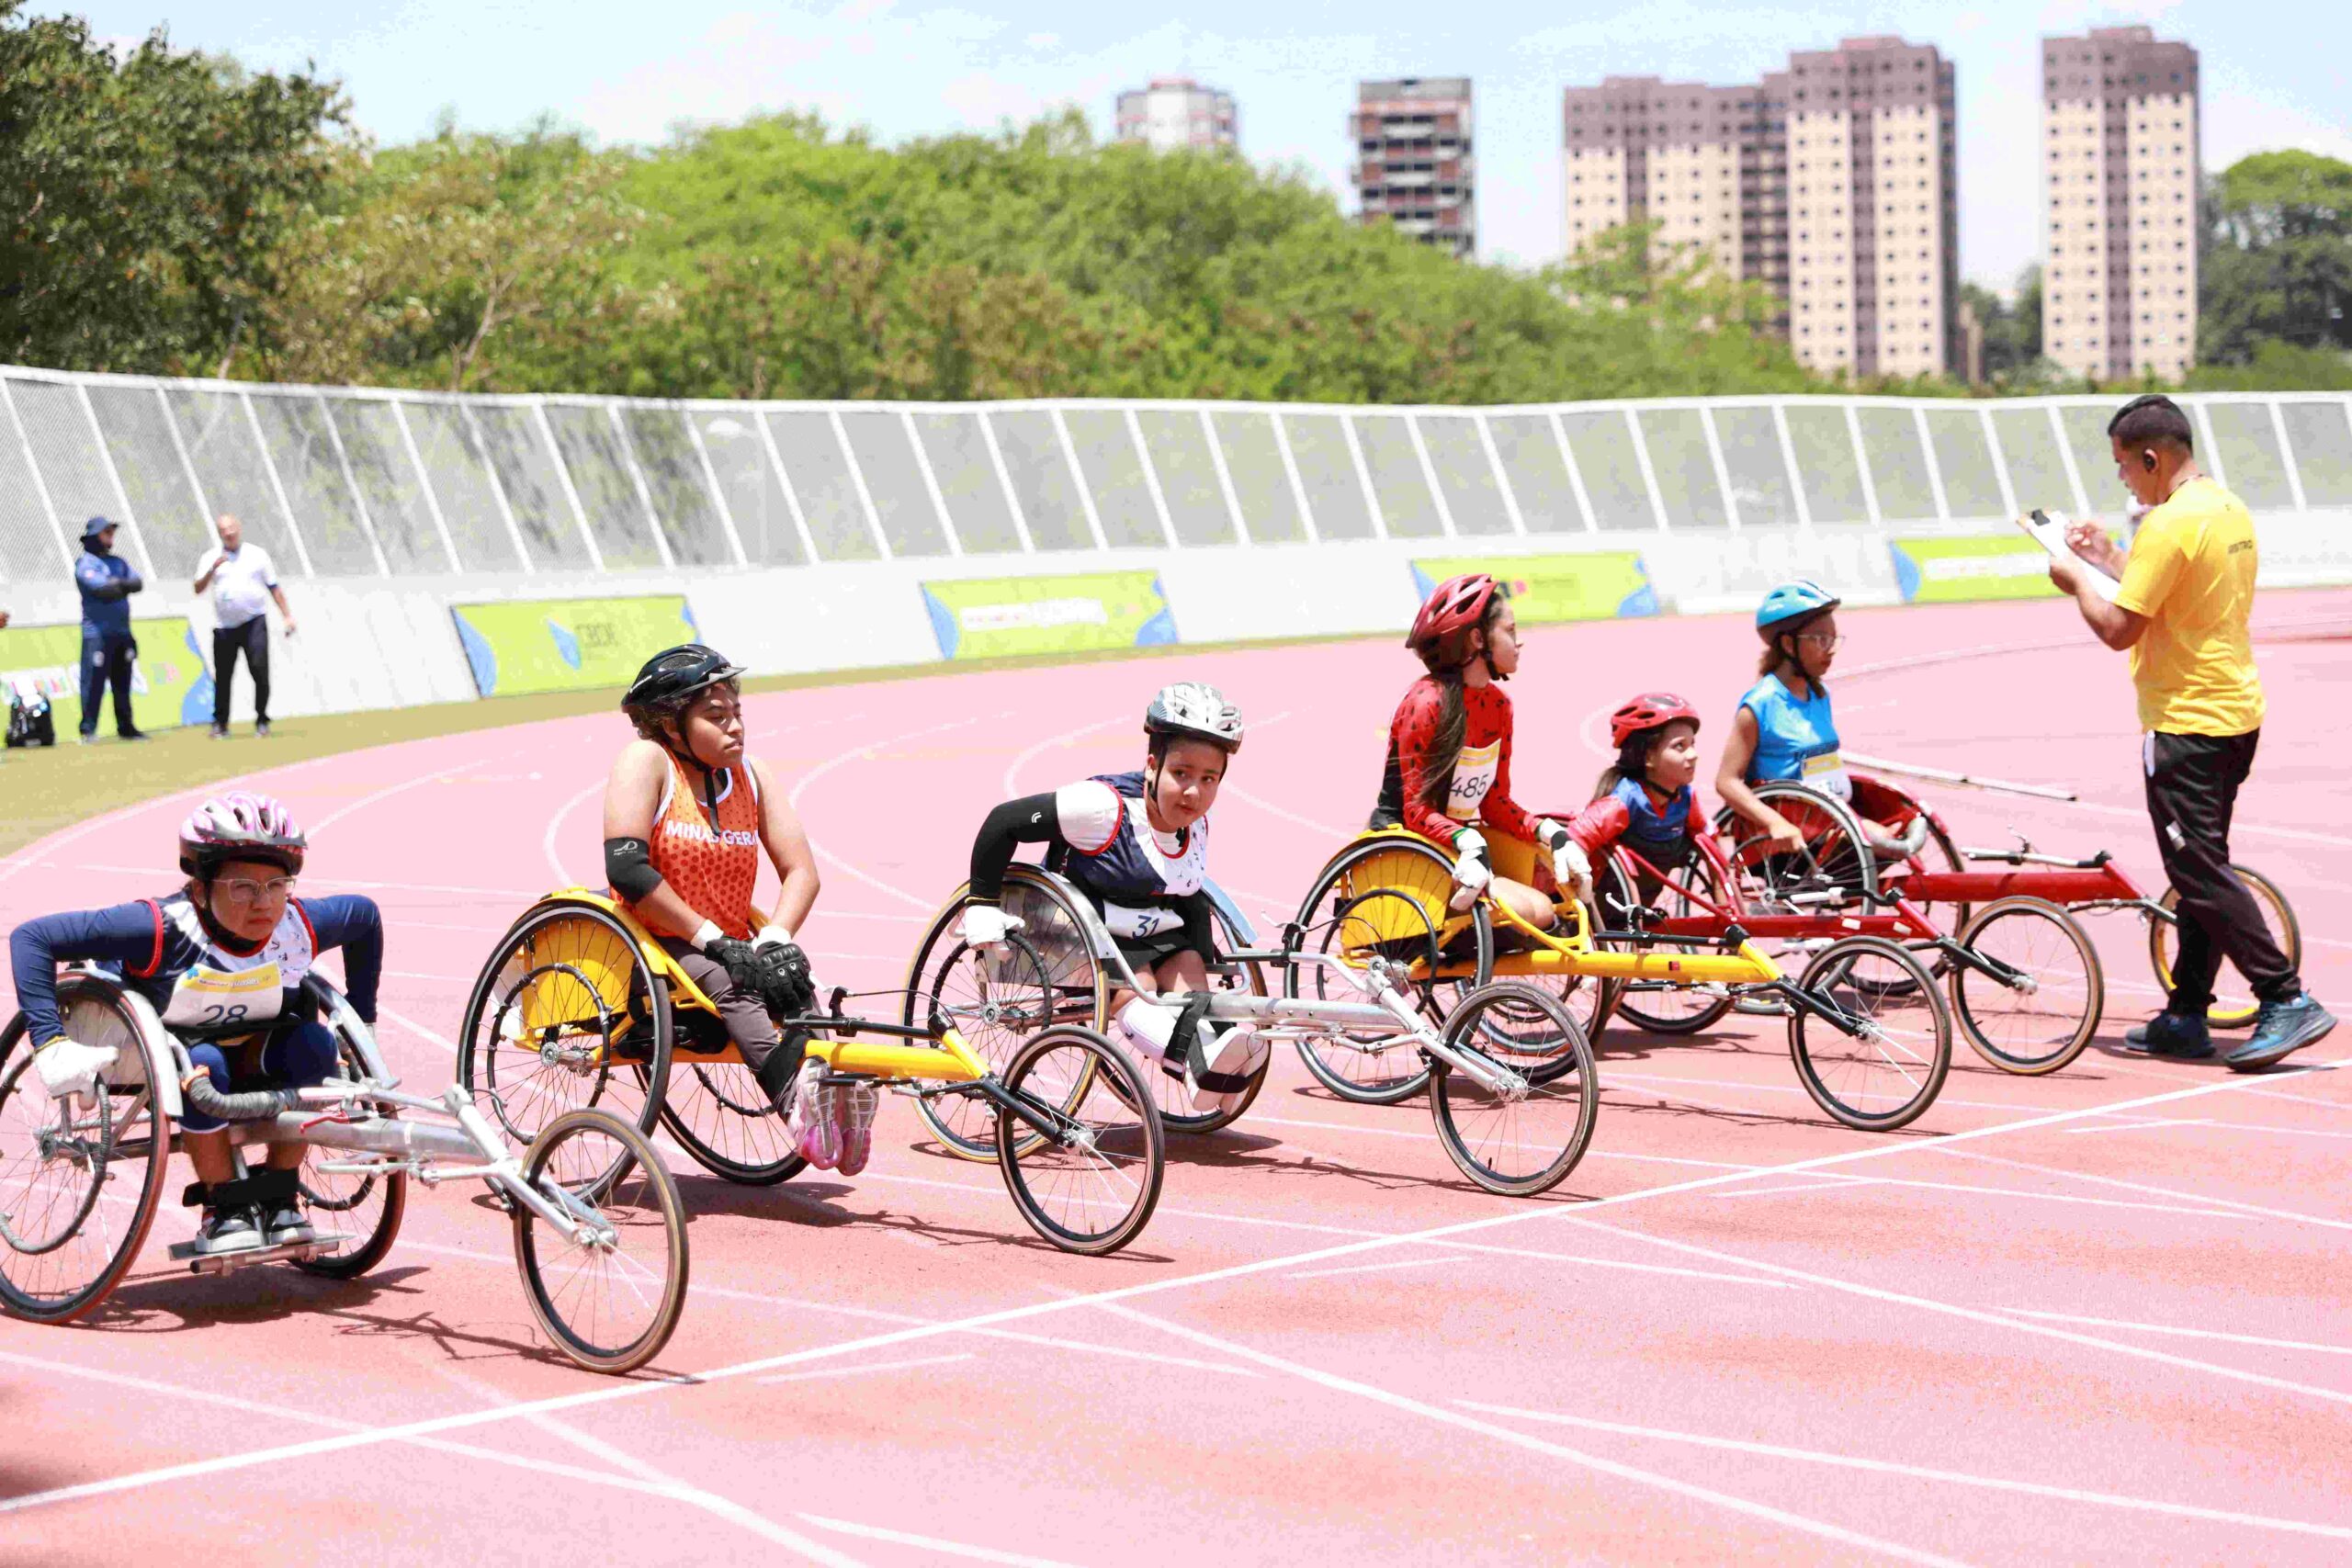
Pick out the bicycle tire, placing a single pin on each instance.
(1972, 990)
(1473, 1125)
(638, 1173)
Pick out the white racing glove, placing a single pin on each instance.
(773, 935)
(1472, 869)
(1571, 867)
(69, 1069)
(987, 925)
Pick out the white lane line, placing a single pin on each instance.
(38, 853)
(861, 1370)
(2269, 1127)
(2335, 1105)
(417, 1029)
(629, 1477)
(866, 752)
(444, 773)
(2177, 1331)
(1669, 1078)
(1425, 1134)
(2156, 1124)
(1258, 803)
(149, 871)
(1369, 1268)
(1972, 1314)
(1842, 1182)
(2234, 1205)
(875, 1314)
(1551, 1212)
(1924, 1472)
(1620, 1470)
(1012, 768)
(931, 1544)
(555, 825)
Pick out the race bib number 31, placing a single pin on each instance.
(216, 998)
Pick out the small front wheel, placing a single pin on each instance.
(2040, 1021)
(609, 1290)
(1522, 1133)
(1091, 1184)
(1890, 1067)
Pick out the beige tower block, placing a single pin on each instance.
(1821, 239)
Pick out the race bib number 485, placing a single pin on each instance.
(220, 998)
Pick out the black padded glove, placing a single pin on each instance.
(784, 983)
(739, 959)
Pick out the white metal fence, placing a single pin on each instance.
(354, 482)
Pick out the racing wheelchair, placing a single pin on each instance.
(1952, 887)
(1513, 1108)
(578, 1005)
(1868, 1031)
(599, 1233)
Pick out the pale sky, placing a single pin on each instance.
(625, 71)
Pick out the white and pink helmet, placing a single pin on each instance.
(239, 825)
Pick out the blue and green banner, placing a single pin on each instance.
(1598, 586)
(519, 645)
(170, 684)
(1978, 566)
(988, 617)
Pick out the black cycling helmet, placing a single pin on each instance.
(673, 677)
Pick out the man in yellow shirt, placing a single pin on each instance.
(2187, 592)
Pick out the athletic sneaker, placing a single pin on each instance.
(219, 732)
(2179, 1036)
(816, 1137)
(1226, 1079)
(227, 1229)
(283, 1224)
(260, 727)
(855, 1108)
(2280, 1028)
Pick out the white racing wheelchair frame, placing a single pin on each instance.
(584, 1197)
(1513, 1122)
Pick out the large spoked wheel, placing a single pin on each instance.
(1385, 899)
(1834, 869)
(1090, 1187)
(2042, 1023)
(1883, 1076)
(1653, 1005)
(995, 1001)
(1526, 1135)
(365, 1206)
(718, 1114)
(610, 1297)
(2234, 1005)
(78, 1184)
(567, 1015)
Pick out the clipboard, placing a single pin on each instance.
(2048, 529)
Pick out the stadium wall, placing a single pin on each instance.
(439, 548)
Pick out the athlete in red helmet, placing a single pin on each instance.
(1644, 799)
(1450, 744)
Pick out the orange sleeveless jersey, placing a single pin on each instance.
(714, 869)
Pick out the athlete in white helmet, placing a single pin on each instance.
(1137, 845)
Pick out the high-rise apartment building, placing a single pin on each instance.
(1415, 165)
(1177, 112)
(1834, 183)
(2120, 181)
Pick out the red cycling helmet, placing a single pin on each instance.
(1457, 603)
(1651, 710)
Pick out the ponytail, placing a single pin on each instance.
(1633, 762)
(1445, 659)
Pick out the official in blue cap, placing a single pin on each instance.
(107, 582)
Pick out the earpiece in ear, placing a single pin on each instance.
(2148, 461)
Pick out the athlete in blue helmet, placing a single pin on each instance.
(1785, 728)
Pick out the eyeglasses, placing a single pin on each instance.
(1822, 640)
(245, 890)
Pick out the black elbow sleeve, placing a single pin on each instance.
(628, 867)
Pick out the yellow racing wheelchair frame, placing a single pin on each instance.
(1867, 1029)
(580, 1004)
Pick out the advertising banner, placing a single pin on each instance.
(1984, 565)
(1597, 587)
(988, 617)
(169, 684)
(517, 647)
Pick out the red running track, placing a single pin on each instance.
(2097, 1317)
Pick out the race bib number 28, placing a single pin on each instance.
(221, 999)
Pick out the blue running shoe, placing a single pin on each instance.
(2177, 1036)
(2280, 1028)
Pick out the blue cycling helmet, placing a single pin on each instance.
(1798, 601)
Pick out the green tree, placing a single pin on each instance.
(2278, 264)
(143, 200)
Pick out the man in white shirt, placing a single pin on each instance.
(243, 580)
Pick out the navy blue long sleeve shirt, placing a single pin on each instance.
(106, 584)
(153, 951)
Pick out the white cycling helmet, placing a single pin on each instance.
(1197, 711)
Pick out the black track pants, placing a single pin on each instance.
(2192, 789)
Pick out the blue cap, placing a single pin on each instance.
(96, 526)
(1792, 600)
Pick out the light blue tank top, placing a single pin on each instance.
(1795, 740)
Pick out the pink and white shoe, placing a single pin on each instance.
(816, 1135)
(855, 1108)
